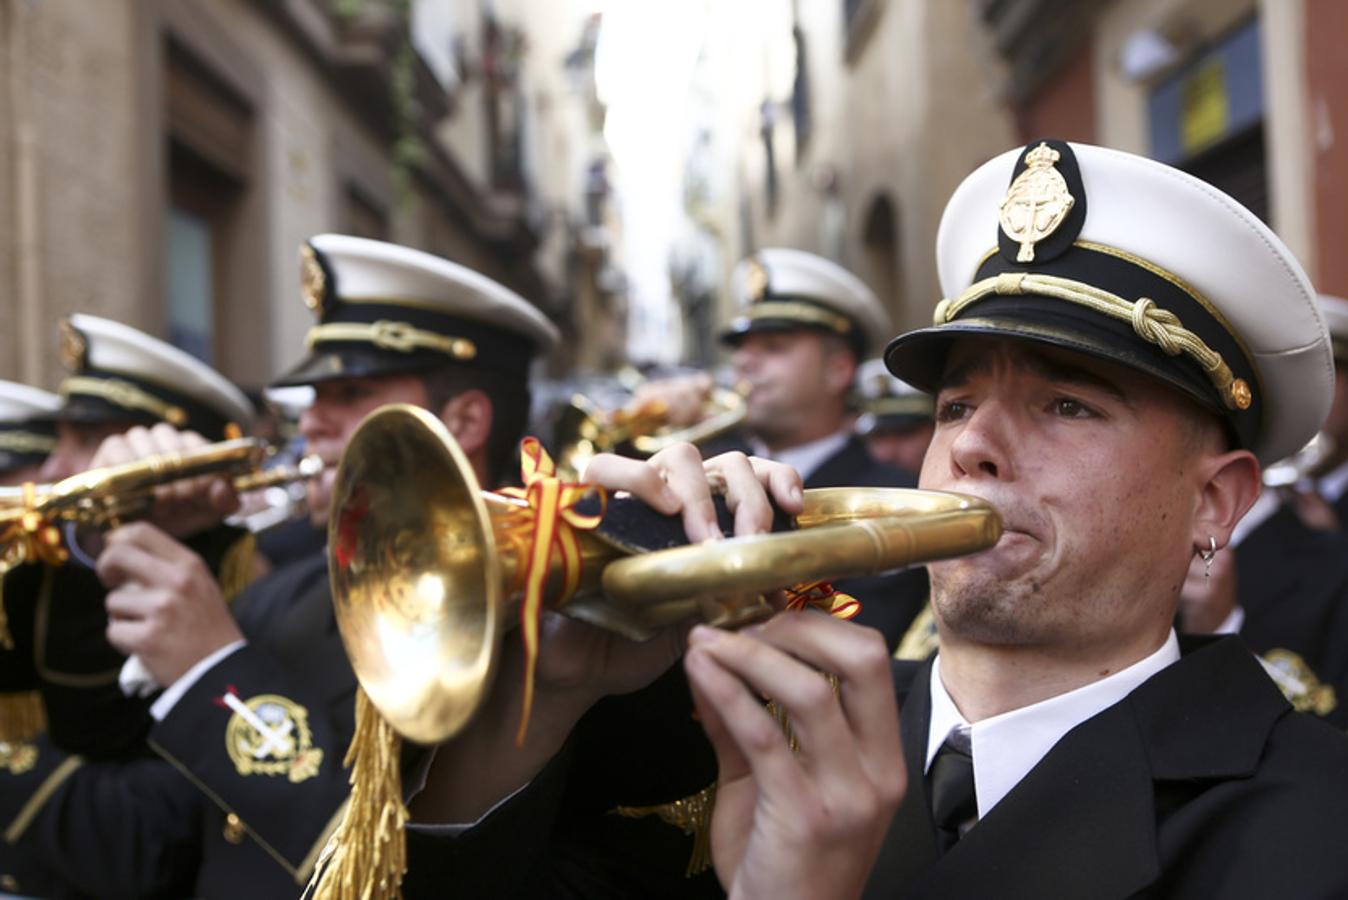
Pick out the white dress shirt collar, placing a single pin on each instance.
(805, 458)
(1006, 747)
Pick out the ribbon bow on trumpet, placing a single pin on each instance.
(822, 596)
(552, 523)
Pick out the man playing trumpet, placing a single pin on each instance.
(1120, 348)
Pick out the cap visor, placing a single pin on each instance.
(919, 357)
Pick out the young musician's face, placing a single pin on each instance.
(1094, 470)
(339, 406)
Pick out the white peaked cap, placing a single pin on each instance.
(780, 288)
(1135, 229)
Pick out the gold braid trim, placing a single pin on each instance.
(388, 335)
(126, 395)
(238, 566)
(40, 797)
(26, 442)
(921, 639)
(692, 815)
(22, 716)
(798, 312)
(367, 854)
(1151, 323)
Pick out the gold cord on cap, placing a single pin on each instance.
(26, 442)
(799, 312)
(389, 335)
(126, 395)
(1151, 323)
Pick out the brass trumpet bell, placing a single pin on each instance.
(424, 566)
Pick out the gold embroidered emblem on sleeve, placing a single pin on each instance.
(270, 735)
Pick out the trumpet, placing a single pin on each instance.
(583, 429)
(106, 496)
(424, 566)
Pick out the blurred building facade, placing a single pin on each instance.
(162, 160)
(850, 122)
(1251, 95)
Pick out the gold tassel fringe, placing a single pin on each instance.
(6, 639)
(238, 566)
(692, 815)
(22, 716)
(367, 855)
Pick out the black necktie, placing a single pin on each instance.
(951, 787)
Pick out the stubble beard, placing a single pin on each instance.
(978, 607)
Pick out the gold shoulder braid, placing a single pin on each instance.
(693, 813)
(921, 639)
(1299, 683)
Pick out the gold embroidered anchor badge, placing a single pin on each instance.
(1037, 202)
(269, 735)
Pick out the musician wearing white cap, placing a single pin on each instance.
(120, 381)
(803, 326)
(1120, 348)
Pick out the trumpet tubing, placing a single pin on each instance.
(109, 493)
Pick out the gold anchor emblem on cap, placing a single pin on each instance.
(1037, 202)
(74, 348)
(313, 283)
(755, 280)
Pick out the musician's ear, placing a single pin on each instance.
(1231, 485)
(468, 416)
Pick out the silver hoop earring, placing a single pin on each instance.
(1207, 555)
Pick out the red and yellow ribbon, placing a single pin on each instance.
(822, 596)
(555, 525)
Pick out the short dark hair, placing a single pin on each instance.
(509, 396)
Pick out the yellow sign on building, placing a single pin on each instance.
(1204, 107)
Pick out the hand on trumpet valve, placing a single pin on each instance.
(183, 507)
(676, 481)
(163, 603)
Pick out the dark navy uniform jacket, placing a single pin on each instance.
(216, 807)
